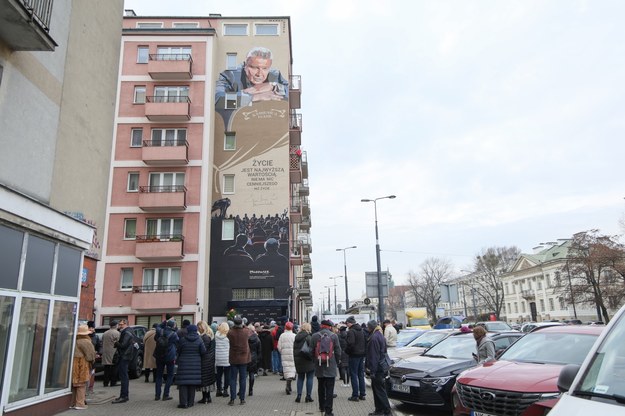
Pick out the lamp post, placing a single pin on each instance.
(377, 253)
(345, 267)
(335, 305)
(329, 302)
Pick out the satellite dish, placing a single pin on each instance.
(367, 301)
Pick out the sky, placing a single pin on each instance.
(494, 123)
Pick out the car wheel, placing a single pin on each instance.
(136, 369)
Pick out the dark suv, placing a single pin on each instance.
(136, 364)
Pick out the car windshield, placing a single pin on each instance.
(428, 339)
(497, 326)
(606, 372)
(550, 348)
(404, 337)
(460, 347)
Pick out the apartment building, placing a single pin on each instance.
(55, 129)
(207, 208)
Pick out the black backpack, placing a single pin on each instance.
(162, 345)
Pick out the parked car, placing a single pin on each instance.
(530, 326)
(447, 322)
(427, 379)
(495, 326)
(597, 387)
(525, 373)
(136, 364)
(407, 335)
(420, 344)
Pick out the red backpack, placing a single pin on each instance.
(324, 350)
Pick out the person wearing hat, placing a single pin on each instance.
(325, 371)
(189, 375)
(390, 334)
(166, 360)
(376, 347)
(109, 338)
(84, 357)
(356, 349)
(285, 348)
(239, 356)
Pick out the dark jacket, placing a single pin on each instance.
(255, 352)
(190, 351)
(315, 325)
(239, 347)
(343, 342)
(125, 345)
(356, 344)
(375, 350)
(208, 361)
(302, 364)
(266, 344)
(172, 338)
(327, 369)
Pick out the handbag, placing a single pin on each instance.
(306, 350)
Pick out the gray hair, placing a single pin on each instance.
(259, 52)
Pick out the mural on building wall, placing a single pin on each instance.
(250, 195)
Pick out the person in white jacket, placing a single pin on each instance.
(390, 334)
(222, 360)
(285, 347)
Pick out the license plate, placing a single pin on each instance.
(400, 388)
(474, 413)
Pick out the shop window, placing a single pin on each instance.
(38, 267)
(60, 346)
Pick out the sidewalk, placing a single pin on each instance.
(269, 399)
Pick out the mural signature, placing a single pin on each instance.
(247, 115)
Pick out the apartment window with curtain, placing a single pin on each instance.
(184, 25)
(231, 60)
(149, 25)
(164, 228)
(169, 137)
(228, 184)
(126, 279)
(235, 29)
(136, 137)
(166, 181)
(173, 53)
(133, 182)
(161, 278)
(542, 305)
(266, 29)
(171, 94)
(230, 141)
(130, 228)
(143, 53)
(139, 97)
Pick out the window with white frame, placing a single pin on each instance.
(149, 25)
(227, 230)
(130, 228)
(231, 60)
(143, 53)
(253, 293)
(228, 184)
(166, 181)
(266, 29)
(542, 305)
(231, 101)
(235, 29)
(185, 25)
(522, 307)
(171, 94)
(230, 141)
(126, 279)
(139, 96)
(136, 137)
(562, 304)
(509, 308)
(161, 279)
(548, 279)
(516, 307)
(540, 285)
(169, 137)
(173, 53)
(133, 182)
(164, 228)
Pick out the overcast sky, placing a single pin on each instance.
(495, 123)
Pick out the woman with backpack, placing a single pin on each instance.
(208, 361)
(304, 365)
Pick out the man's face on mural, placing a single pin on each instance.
(256, 69)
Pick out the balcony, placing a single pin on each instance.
(295, 91)
(305, 224)
(305, 207)
(528, 294)
(304, 166)
(162, 109)
(296, 210)
(303, 189)
(295, 170)
(307, 271)
(295, 129)
(156, 297)
(170, 66)
(159, 247)
(25, 25)
(296, 258)
(305, 243)
(305, 259)
(163, 198)
(165, 152)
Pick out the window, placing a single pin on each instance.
(57, 375)
(177, 94)
(509, 308)
(239, 29)
(253, 293)
(562, 304)
(149, 25)
(139, 95)
(507, 289)
(516, 307)
(230, 141)
(231, 60)
(184, 25)
(173, 53)
(540, 285)
(136, 137)
(231, 101)
(7, 305)
(143, 53)
(133, 182)
(130, 228)
(169, 137)
(126, 279)
(149, 320)
(227, 230)
(166, 181)
(228, 184)
(542, 305)
(522, 307)
(263, 29)
(161, 279)
(164, 228)
(548, 279)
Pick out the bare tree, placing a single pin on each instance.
(426, 285)
(396, 299)
(489, 265)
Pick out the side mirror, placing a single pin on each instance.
(566, 377)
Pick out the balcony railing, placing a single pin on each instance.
(25, 24)
(167, 99)
(295, 129)
(150, 238)
(159, 247)
(163, 188)
(170, 57)
(156, 297)
(165, 152)
(157, 288)
(40, 10)
(166, 109)
(295, 91)
(170, 66)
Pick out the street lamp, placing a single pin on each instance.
(329, 302)
(335, 305)
(377, 253)
(345, 266)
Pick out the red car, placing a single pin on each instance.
(524, 374)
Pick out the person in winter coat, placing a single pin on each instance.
(375, 351)
(285, 348)
(276, 360)
(208, 361)
(344, 366)
(97, 345)
(485, 346)
(149, 362)
(222, 359)
(356, 349)
(304, 365)
(256, 352)
(126, 349)
(239, 356)
(84, 357)
(325, 370)
(314, 324)
(390, 333)
(166, 329)
(109, 338)
(266, 345)
(189, 376)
